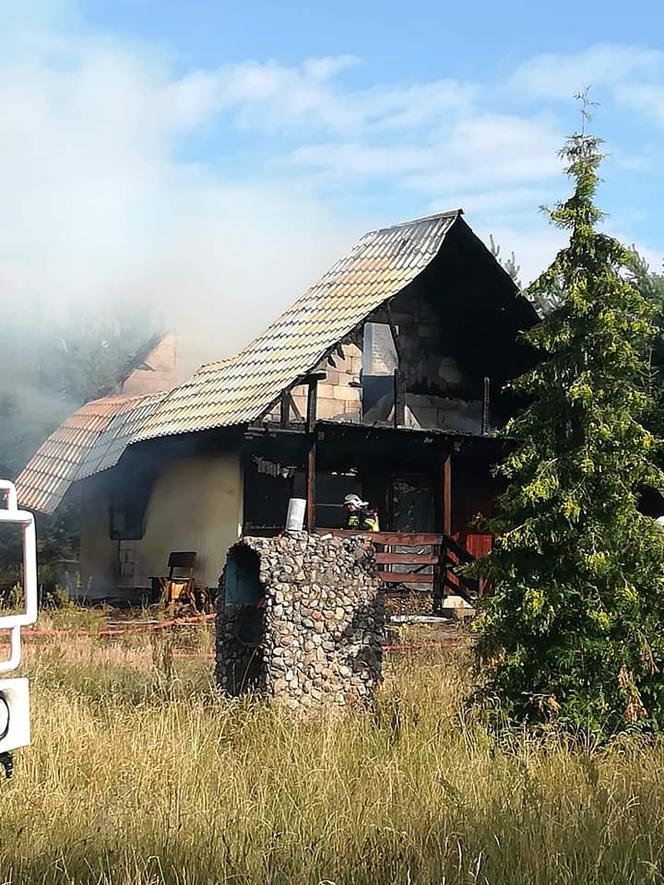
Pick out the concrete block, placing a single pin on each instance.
(346, 394)
(333, 377)
(325, 390)
(329, 408)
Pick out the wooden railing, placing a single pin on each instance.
(455, 556)
(408, 564)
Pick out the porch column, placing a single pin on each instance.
(312, 403)
(443, 500)
(311, 486)
(447, 494)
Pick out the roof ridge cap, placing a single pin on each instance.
(117, 398)
(447, 213)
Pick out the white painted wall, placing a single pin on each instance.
(195, 504)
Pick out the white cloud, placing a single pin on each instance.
(562, 75)
(270, 96)
(490, 149)
(363, 160)
(645, 98)
(410, 107)
(478, 151)
(330, 66)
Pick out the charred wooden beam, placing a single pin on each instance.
(447, 494)
(312, 400)
(312, 407)
(399, 390)
(261, 431)
(293, 407)
(311, 485)
(485, 407)
(443, 498)
(399, 400)
(284, 408)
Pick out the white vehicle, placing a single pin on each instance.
(14, 693)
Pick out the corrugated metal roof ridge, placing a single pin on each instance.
(445, 213)
(223, 396)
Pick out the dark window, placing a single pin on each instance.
(129, 501)
(267, 487)
(412, 504)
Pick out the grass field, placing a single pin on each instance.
(139, 773)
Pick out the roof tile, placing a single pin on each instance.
(91, 439)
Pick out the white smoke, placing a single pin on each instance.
(101, 204)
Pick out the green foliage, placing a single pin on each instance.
(573, 630)
(651, 286)
(546, 300)
(543, 301)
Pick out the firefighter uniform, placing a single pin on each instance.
(363, 520)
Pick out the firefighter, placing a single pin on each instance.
(359, 515)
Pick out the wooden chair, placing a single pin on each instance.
(178, 585)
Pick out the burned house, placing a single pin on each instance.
(385, 379)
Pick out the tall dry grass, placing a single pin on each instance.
(139, 773)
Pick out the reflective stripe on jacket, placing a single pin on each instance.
(363, 520)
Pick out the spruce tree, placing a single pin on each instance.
(573, 628)
(508, 264)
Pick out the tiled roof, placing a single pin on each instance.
(92, 439)
(241, 389)
(119, 433)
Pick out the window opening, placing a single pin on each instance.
(379, 362)
(129, 501)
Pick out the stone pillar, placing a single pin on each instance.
(321, 616)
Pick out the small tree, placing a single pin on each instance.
(573, 629)
(508, 264)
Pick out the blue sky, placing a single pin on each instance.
(212, 158)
